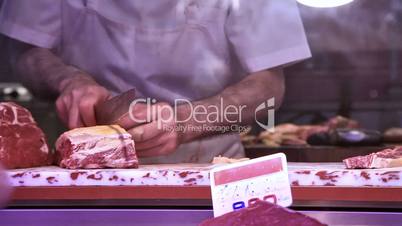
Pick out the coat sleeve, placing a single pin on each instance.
(34, 22)
(266, 33)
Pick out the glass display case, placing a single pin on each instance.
(355, 72)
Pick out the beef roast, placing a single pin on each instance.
(296, 135)
(96, 147)
(341, 122)
(393, 135)
(22, 142)
(383, 159)
(262, 213)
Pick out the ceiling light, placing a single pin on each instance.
(324, 3)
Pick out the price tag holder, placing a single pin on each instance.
(236, 186)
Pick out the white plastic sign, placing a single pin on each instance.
(235, 186)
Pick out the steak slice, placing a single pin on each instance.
(383, 159)
(22, 142)
(338, 122)
(393, 135)
(262, 213)
(96, 147)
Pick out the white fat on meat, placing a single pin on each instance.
(14, 108)
(97, 147)
(382, 159)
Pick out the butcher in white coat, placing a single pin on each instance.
(209, 54)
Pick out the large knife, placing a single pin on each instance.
(110, 111)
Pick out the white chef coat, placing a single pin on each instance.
(166, 49)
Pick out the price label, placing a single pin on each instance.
(236, 186)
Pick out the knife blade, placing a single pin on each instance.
(110, 111)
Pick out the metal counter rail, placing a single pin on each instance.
(319, 196)
(173, 217)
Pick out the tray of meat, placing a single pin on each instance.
(289, 134)
(312, 153)
(332, 141)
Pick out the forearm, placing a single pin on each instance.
(43, 72)
(236, 105)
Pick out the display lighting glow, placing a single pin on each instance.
(324, 3)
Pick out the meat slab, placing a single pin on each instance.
(260, 214)
(22, 142)
(96, 147)
(383, 159)
(296, 135)
(338, 122)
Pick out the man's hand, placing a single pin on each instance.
(156, 131)
(48, 76)
(153, 128)
(78, 96)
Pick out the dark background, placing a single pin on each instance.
(356, 66)
(355, 70)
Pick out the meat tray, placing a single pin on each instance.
(311, 153)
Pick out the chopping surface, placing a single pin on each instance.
(300, 174)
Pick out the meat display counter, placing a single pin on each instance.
(180, 195)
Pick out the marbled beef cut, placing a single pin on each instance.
(262, 214)
(383, 159)
(22, 142)
(96, 147)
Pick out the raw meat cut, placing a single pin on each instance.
(296, 135)
(262, 213)
(22, 142)
(383, 159)
(96, 147)
(393, 135)
(226, 160)
(290, 135)
(341, 122)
